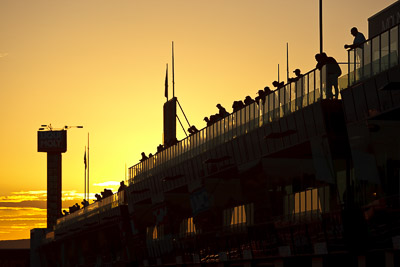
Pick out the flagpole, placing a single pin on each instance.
(173, 71)
(278, 73)
(287, 62)
(166, 83)
(84, 195)
(88, 166)
(320, 28)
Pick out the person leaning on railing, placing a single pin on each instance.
(358, 43)
(237, 105)
(333, 72)
(298, 74)
(359, 39)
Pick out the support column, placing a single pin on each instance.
(54, 160)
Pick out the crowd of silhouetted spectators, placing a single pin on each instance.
(106, 193)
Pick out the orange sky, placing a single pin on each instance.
(101, 64)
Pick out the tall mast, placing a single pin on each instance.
(173, 71)
(88, 166)
(320, 27)
(287, 62)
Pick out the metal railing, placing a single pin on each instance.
(375, 55)
(310, 88)
(97, 207)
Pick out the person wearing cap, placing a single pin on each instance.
(298, 74)
(278, 85)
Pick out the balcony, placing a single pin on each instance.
(374, 56)
(309, 89)
(92, 210)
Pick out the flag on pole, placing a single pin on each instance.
(84, 159)
(166, 83)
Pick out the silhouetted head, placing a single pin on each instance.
(206, 119)
(121, 183)
(354, 31)
(260, 92)
(320, 57)
(219, 106)
(297, 72)
(275, 83)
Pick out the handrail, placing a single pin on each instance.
(110, 202)
(293, 96)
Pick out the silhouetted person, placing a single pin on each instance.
(150, 155)
(65, 212)
(122, 186)
(277, 84)
(261, 96)
(321, 60)
(106, 193)
(144, 157)
(237, 105)
(77, 206)
(98, 197)
(192, 130)
(160, 148)
(248, 100)
(359, 39)
(207, 120)
(222, 111)
(214, 118)
(298, 74)
(267, 90)
(85, 203)
(333, 72)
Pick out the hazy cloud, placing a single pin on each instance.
(3, 55)
(24, 210)
(109, 183)
(16, 222)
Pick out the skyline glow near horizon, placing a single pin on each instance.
(101, 64)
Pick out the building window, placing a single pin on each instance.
(187, 227)
(155, 232)
(310, 202)
(239, 216)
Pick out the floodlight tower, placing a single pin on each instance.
(54, 142)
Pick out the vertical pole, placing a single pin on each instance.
(173, 71)
(287, 62)
(278, 73)
(88, 166)
(320, 27)
(84, 195)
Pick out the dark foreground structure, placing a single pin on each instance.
(295, 180)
